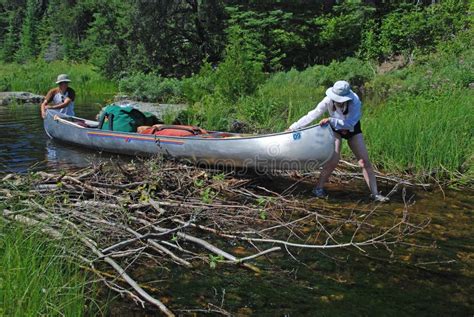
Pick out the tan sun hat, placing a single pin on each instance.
(63, 78)
(340, 92)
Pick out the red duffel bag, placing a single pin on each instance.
(171, 130)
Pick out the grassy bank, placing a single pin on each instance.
(423, 135)
(36, 277)
(39, 76)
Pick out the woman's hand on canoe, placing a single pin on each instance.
(324, 121)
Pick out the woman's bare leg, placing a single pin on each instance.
(357, 145)
(331, 164)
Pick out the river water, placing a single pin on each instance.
(435, 281)
(25, 146)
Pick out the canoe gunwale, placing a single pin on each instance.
(197, 137)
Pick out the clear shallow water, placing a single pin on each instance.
(433, 281)
(25, 146)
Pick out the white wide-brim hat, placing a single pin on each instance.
(63, 78)
(340, 92)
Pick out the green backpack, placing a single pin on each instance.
(124, 118)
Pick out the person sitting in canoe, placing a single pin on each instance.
(60, 98)
(344, 108)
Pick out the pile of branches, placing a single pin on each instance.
(174, 214)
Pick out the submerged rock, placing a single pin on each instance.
(8, 97)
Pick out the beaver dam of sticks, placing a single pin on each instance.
(164, 213)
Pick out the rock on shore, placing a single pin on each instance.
(8, 97)
(160, 110)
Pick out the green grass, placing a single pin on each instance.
(39, 76)
(36, 276)
(422, 134)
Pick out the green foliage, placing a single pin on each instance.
(198, 86)
(11, 37)
(199, 182)
(108, 36)
(342, 29)
(274, 33)
(411, 28)
(36, 278)
(29, 37)
(120, 36)
(451, 68)
(239, 75)
(207, 195)
(218, 177)
(241, 71)
(422, 134)
(424, 125)
(213, 112)
(40, 76)
(281, 100)
(150, 87)
(214, 259)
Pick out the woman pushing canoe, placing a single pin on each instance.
(344, 108)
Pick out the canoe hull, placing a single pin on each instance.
(305, 149)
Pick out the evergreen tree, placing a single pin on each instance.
(28, 36)
(49, 36)
(11, 38)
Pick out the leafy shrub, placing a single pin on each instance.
(412, 28)
(341, 30)
(200, 85)
(451, 68)
(237, 76)
(241, 71)
(353, 70)
(212, 112)
(277, 38)
(150, 87)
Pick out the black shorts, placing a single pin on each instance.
(349, 134)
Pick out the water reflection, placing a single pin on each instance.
(24, 146)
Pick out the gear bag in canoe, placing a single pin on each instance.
(125, 118)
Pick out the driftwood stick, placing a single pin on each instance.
(207, 246)
(306, 246)
(251, 257)
(93, 203)
(31, 222)
(139, 236)
(162, 249)
(129, 280)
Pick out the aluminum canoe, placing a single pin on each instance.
(304, 149)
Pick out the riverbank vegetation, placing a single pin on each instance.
(38, 277)
(39, 76)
